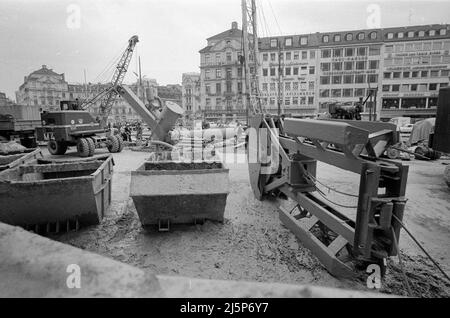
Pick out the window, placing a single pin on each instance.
(272, 71)
(413, 87)
(324, 93)
(362, 51)
(437, 45)
(273, 43)
(311, 85)
(361, 36)
(337, 38)
(442, 85)
(374, 50)
(360, 79)
(207, 74)
(273, 57)
(230, 74)
(304, 55)
(337, 52)
(410, 34)
(348, 65)
(347, 92)
(265, 57)
(295, 71)
(432, 33)
(265, 87)
(415, 74)
(421, 34)
(312, 54)
(287, 101)
(272, 86)
(396, 75)
(229, 56)
(387, 75)
(229, 86)
(406, 74)
(218, 73)
(303, 40)
(325, 39)
(390, 35)
(325, 67)
(348, 79)
(337, 66)
(434, 73)
(424, 74)
(265, 72)
(445, 73)
(287, 86)
(373, 78)
(400, 35)
(288, 42)
(326, 53)
(336, 93)
(405, 88)
(312, 70)
(295, 100)
(349, 37)
(373, 35)
(360, 65)
(324, 80)
(288, 56)
(218, 88)
(288, 71)
(337, 79)
(295, 86)
(239, 72)
(386, 88)
(442, 32)
(395, 88)
(310, 100)
(389, 48)
(373, 65)
(296, 55)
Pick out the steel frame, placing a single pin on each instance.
(339, 242)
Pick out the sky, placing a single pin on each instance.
(74, 36)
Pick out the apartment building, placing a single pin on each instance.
(190, 92)
(397, 70)
(221, 76)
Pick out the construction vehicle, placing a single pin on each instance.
(282, 162)
(73, 125)
(18, 123)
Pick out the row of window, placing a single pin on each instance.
(218, 57)
(220, 102)
(413, 87)
(418, 60)
(350, 65)
(423, 102)
(289, 56)
(288, 101)
(411, 34)
(349, 79)
(288, 71)
(346, 92)
(288, 86)
(418, 46)
(218, 86)
(416, 74)
(351, 51)
(349, 37)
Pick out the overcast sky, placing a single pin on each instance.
(171, 32)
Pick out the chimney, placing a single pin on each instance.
(234, 25)
(44, 66)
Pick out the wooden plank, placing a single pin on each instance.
(92, 165)
(338, 244)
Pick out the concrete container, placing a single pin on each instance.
(53, 197)
(167, 193)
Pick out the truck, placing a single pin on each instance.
(18, 123)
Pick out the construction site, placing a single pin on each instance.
(275, 205)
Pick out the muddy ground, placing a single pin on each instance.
(252, 244)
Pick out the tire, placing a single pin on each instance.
(392, 153)
(113, 144)
(91, 144)
(120, 143)
(83, 147)
(57, 147)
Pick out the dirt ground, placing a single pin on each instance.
(253, 245)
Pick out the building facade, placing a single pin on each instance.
(221, 76)
(5, 101)
(190, 93)
(44, 89)
(398, 71)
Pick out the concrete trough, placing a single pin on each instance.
(54, 197)
(167, 192)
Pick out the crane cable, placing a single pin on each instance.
(422, 248)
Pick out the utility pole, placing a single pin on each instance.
(252, 100)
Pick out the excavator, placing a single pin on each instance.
(74, 125)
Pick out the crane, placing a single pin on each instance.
(108, 96)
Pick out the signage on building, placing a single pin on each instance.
(345, 59)
(398, 95)
(413, 54)
(418, 68)
(350, 72)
